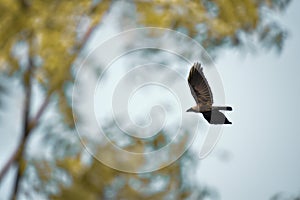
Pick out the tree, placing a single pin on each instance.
(40, 45)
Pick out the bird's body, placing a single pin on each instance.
(203, 96)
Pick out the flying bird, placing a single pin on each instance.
(203, 96)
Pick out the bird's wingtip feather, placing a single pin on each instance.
(198, 66)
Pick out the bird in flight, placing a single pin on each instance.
(204, 98)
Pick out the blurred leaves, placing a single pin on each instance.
(4, 95)
(3, 91)
(51, 31)
(101, 182)
(50, 35)
(282, 196)
(219, 22)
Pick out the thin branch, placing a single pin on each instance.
(32, 124)
(35, 120)
(29, 125)
(42, 108)
(26, 128)
(11, 160)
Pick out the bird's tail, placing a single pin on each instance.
(229, 108)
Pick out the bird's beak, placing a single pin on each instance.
(189, 110)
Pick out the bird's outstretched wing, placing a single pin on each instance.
(199, 86)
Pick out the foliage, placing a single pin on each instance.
(282, 196)
(30, 29)
(97, 181)
(47, 33)
(218, 23)
(50, 36)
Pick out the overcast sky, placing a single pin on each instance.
(263, 144)
(264, 141)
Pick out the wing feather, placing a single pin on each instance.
(199, 86)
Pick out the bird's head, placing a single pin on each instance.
(190, 110)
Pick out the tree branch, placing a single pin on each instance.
(8, 164)
(26, 128)
(30, 124)
(35, 120)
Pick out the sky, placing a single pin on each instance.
(262, 145)
(264, 142)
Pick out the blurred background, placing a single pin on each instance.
(253, 46)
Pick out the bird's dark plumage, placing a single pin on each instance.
(199, 85)
(203, 96)
(215, 117)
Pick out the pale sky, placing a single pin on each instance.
(264, 141)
